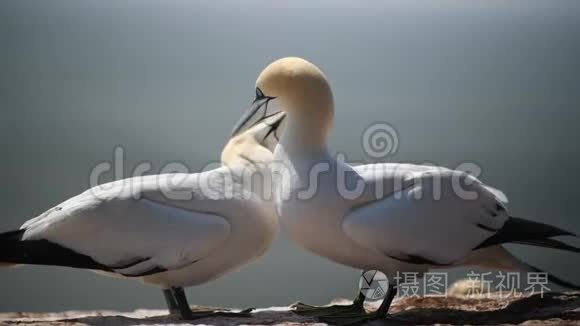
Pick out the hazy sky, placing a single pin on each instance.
(496, 83)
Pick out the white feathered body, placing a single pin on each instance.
(196, 226)
(403, 211)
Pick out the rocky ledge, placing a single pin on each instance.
(551, 309)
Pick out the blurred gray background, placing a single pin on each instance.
(496, 83)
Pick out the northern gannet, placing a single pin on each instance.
(171, 230)
(415, 222)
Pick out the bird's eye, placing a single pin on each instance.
(259, 94)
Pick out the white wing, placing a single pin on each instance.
(398, 172)
(437, 216)
(132, 227)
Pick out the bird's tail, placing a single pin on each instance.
(16, 251)
(549, 243)
(7, 241)
(519, 230)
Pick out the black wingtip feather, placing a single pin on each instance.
(518, 229)
(43, 252)
(14, 250)
(540, 228)
(14, 235)
(550, 243)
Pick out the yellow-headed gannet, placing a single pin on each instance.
(418, 220)
(170, 230)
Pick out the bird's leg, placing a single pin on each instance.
(184, 310)
(170, 300)
(182, 305)
(344, 319)
(357, 306)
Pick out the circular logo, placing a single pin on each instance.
(373, 285)
(380, 140)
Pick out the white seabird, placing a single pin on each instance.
(171, 230)
(405, 227)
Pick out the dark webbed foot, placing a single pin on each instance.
(178, 305)
(302, 309)
(208, 314)
(358, 318)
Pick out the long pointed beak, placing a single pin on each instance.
(274, 122)
(269, 130)
(262, 108)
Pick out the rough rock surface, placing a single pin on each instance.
(552, 309)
